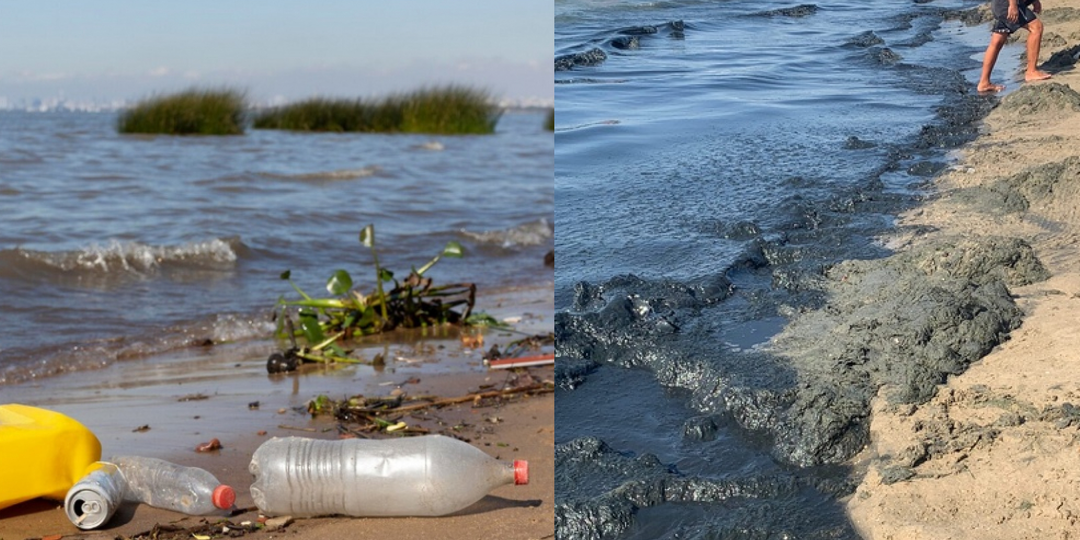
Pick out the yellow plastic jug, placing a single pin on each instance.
(42, 453)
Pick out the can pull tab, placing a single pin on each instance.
(93, 500)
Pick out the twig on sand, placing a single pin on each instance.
(532, 389)
(380, 413)
(295, 428)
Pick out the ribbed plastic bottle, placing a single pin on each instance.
(430, 475)
(188, 490)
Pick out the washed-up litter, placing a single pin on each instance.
(210, 446)
(370, 409)
(417, 476)
(522, 361)
(516, 353)
(51, 451)
(59, 459)
(91, 502)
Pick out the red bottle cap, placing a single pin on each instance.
(223, 497)
(521, 472)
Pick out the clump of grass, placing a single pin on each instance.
(331, 115)
(448, 110)
(190, 112)
(550, 123)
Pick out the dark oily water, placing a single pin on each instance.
(716, 163)
(117, 247)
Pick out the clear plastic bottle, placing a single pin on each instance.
(431, 475)
(188, 490)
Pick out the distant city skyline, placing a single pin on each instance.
(112, 51)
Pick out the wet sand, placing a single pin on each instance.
(996, 452)
(165, 406)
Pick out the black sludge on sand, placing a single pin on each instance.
(1041, 100)
(624, 320)
(1016, 193)
(897, 326)
(600, 490)
(903, 322)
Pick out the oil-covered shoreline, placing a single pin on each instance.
(875, 330)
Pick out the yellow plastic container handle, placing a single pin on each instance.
(43, 453)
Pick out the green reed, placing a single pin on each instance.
(448, 110)
(190, 112)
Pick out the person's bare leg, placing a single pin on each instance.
(997, 41)
(1034, 44)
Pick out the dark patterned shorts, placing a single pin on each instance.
(1002, 24)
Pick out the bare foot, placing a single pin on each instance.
(990, 88)
(1036, 76)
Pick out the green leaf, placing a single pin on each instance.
(479, 318)
(367, 318)
(286, 274)
(386, 275)
(453, 249)
(329, 343)
(339, 283)
(309, 324)
(367, 236)
(318, 404)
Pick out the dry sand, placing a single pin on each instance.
(996, 454)
(225, 379)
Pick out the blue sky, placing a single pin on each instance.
(127, 49)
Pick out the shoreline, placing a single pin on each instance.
(992, 454)
(167, 405)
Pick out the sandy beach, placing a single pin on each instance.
(165, 406)
(995, 454)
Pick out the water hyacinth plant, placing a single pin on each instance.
(448, 110)
(410, 303)
(190, 112)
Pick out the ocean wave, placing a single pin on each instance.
(22, 365)
(340, 174)
(533, 233)
(116, 257)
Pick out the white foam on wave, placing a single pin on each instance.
(434, 146)
(117, 256)
(340, 174)
(230, 327)
(533, 233)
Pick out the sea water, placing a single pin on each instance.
(124, 246)
(757, 142)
